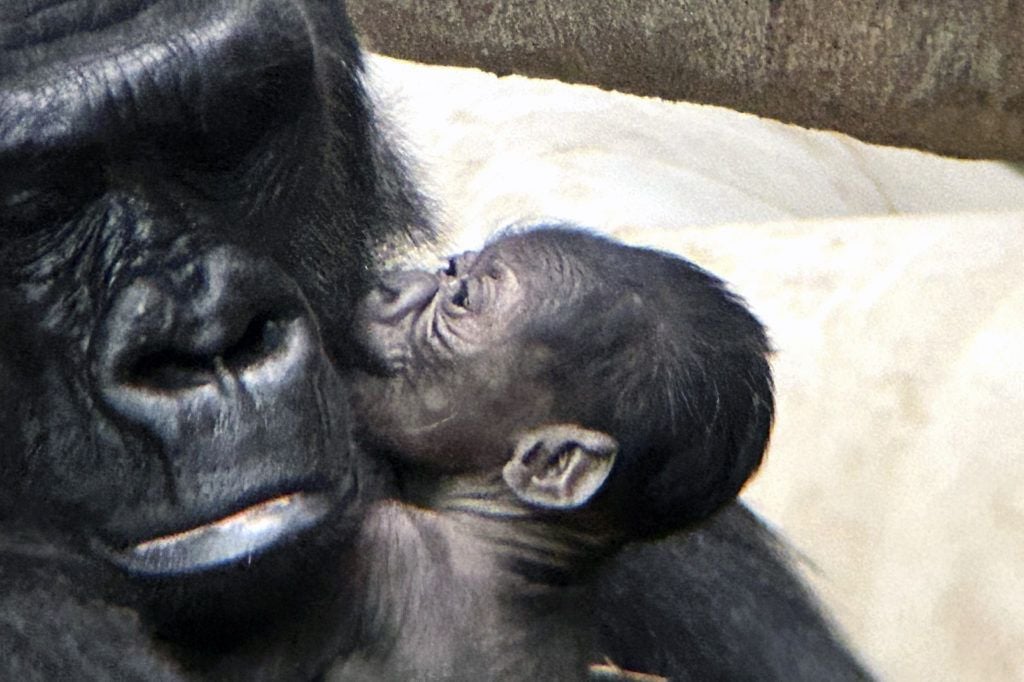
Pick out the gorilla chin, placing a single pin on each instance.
(268, 568)
(213, 585)
(238, 537)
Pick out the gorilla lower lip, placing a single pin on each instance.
(236, 537)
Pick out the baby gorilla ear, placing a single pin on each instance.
(560, 466)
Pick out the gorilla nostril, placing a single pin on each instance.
(171, 370)
(262, 339)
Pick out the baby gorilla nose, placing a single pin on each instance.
(398, 294)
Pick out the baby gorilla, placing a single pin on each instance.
(550, 398)
(566, 348)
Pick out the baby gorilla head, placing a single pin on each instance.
(567, 352)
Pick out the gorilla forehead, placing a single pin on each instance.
(37, 32)
(64, 88)
(145, 69)
(567, 273)
(208, 116)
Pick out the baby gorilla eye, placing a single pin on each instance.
(461, 295)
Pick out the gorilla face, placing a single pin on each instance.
(189, 197)
(202, 389)
(455, 375)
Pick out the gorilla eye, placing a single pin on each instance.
(47, 192)
(461, 297)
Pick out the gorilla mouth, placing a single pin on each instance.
(239, 536)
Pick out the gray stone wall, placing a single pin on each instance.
(947, 75)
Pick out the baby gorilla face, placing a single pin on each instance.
(455, 379)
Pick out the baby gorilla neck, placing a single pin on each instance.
(476, 586)
(526, 544)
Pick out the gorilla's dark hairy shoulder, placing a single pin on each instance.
(193, 196)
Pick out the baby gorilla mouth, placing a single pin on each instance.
(241, 535)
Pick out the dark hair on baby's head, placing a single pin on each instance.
(656, 351)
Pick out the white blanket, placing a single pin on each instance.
(893, 285)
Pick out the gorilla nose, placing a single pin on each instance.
(399, 293)
(173, 367)
(199, 335)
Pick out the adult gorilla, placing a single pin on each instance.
(192, 195)
(190, 192)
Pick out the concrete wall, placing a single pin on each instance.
(946, 76)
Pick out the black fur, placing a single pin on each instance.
(544, 352)
(577, 393)
(190, 191)
(659, 353)
(719, 601)
(191, 195)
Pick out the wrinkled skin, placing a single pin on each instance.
(191, 196)
(454, 380)
(469, 369)
(522, 487)
(558, 326)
